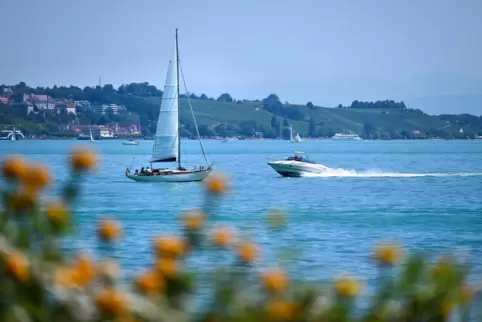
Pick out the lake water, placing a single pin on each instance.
(425, 194)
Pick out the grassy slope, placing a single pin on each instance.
(213, 112)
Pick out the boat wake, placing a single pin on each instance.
(381, 174)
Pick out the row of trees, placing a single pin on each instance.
(378, 104)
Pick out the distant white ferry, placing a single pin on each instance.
(346, 136)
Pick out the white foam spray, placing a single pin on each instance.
(332, 172)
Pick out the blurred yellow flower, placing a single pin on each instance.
(109, 268)
(23, 199)
(111, 301)
(17, 265)
(57, 213)
(222, 236)
(443, 267)
(347, 286)
(281, 310)
(168, 267)
(13, 167)
(109, 230)
(194, 219)
(388, 253)
(81, 273)
(83, 160)
(36, 177)
(150, 283)
(217, 183)
(275, 280)
(66, 277)
(248, 252)
(86, 270)
(169, 246)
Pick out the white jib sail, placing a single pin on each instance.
(165, 147)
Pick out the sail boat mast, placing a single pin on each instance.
(178, 106)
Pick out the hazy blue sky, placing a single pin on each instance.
(328, 52)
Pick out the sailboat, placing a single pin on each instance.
(296, 138)
(226, 133)
(91, 137)
(167, 141)
(13, 137)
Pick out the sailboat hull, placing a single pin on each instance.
(172, 176)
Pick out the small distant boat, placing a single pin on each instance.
(297, 166)
(130, 142)
(13, 137)
(346, 136)
(226, 135)
(296, 138)
(91, 137)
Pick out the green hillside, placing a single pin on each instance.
(379, 122)
(226, 116)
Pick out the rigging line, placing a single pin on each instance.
(192, 113)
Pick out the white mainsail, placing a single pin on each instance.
(166, 140)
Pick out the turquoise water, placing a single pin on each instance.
(424, 194)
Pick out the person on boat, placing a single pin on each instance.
(149, 171)
(143, 172)
(136, 172)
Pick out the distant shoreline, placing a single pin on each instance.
(250, 139)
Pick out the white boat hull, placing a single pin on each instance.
(296, 168)
(347, 139)
(172, 176)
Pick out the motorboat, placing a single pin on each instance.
(298, 165)
(11, 135)
(130, 142)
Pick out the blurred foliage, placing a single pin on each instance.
(41, 282)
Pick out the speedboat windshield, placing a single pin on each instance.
(300, 158)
